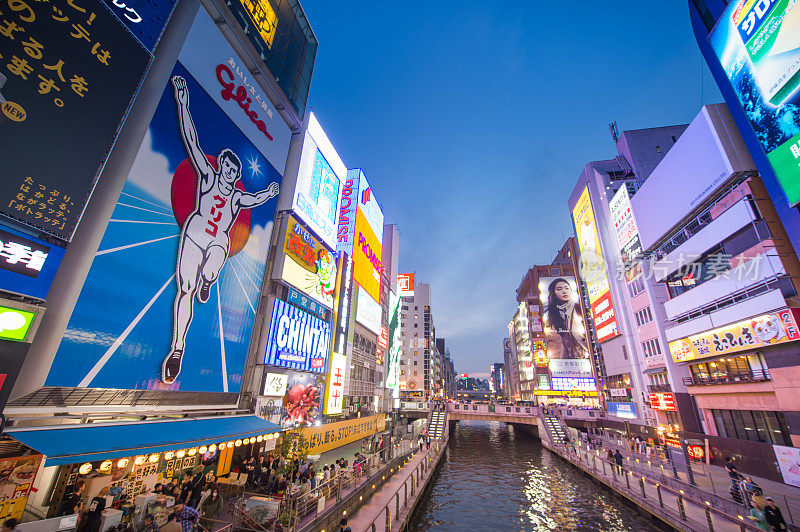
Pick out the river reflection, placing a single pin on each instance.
(497, 477)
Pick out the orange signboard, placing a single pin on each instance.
(367, 257)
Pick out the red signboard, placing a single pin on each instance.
(663, 401)
(696, 451)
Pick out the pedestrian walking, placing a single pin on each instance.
(610, 455)
(618, 460)
(757, 514)
(774, 516)
(427, 442)
(211, 508)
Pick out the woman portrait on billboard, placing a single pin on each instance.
(565, 333)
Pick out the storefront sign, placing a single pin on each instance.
(593, 269)
(16, 482)
(270, 408)
(544, 382)
(323, 438)
(663, 401)
(618, 392)
(179, 270)
(655, 361)
(758, 332)
(299, 299)
(83, 63)
(405, 284)
(275, 384)
(297, 339)
(27, 264)
(623, 410)
(696, 452)
(307, 264)
(580, 367)
(15, 323)
(367, 258)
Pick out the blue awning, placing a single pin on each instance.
(70, 444)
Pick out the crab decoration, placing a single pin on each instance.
(300, 401)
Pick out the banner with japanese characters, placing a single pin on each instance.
(757, 332)
(68, 73)
(170, 300)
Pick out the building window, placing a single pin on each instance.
(415, 362)
(752, 425)
(636, 286)
(643, 316)
(742, 368)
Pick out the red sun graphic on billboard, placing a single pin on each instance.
(183, 195)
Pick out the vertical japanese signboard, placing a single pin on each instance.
(170, 300)
(593, 269)
(68, 72)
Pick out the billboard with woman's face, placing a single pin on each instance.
(564, 331)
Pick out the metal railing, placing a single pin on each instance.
(674, 506)
(659, 388)
(414, 481)
(731, 377)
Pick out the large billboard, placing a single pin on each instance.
(593, 269)
(405, 284)
(357, 195)
(297, 340)
(320, 176)
(760, 331)
(394, 345)
(758, 45)
(368, 312)
(367, 265)
(562, 320)
(630, 245)
(62, 62)
(27, 264)
(171, 296)
(307, 264)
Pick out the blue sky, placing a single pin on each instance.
(473, 121)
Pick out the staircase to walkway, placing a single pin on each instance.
(554, 428)
(436, 424)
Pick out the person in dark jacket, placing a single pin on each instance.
(198, 483)
(211, 508)
(618, 460)
(774, 516)
(186, 488)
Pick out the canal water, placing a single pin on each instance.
(497, 477)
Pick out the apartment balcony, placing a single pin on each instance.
(756, 375)
(653, 388)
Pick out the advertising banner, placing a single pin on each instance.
(348, 204)
(16, 482)
(319, 183)
(146, 20)
(307, 265)
(758, 46)
(405, 284)
(623, 410)
(395, 345)
(571, 383)
(571, 368)
(332, 435)
(663, 401)
(630, 245)
(270, 408)
(593, 269)
(368, 312)
(302, 403)
(27, 264)
(83, 63)
(761, 331)
(367, 258)
(564, 332)
(369, 207)
(789, 462)
(297, 339)
(15, 323)
(171, 296)
(334, 390)
(12, 355)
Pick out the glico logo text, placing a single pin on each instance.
(367, 250)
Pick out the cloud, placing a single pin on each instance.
(150, 171)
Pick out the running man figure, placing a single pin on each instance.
(204, 242)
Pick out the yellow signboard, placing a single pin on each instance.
(264, 18)
(16, 484)
(367, 257)
(323, 438)
(766, 330)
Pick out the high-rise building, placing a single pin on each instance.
(421, 366)
(617, 353)
(730, 281)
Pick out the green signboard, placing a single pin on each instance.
(15, 324)
(758, 46)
